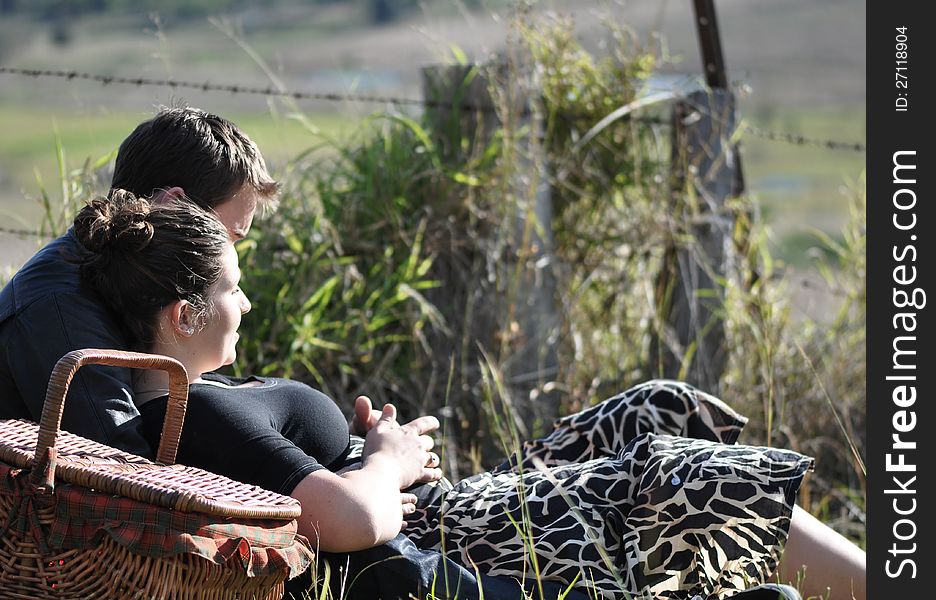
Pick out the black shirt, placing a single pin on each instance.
(271, 435)
(45, 312)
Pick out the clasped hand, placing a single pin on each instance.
(406, 449)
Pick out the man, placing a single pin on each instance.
(45, 312)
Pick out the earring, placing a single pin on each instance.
(189, 330)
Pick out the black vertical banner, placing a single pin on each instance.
(901, 265)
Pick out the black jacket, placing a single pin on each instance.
(46, 312)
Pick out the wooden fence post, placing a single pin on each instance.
(690, 288)
(521, 332)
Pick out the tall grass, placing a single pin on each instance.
(397, 253)
(336, 261)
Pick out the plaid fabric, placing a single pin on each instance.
(8, 475)
(24, 504)
(83, 517)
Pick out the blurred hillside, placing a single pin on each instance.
(793, 53)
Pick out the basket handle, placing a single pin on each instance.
(65, 370)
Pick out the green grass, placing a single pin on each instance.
(799, 187)
(28, 145)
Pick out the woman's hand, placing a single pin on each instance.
(404, 449)
(408, 502)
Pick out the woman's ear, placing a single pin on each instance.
(182, 318)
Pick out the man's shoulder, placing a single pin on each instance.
(45, 300)
(53, 270)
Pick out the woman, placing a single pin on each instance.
(645, 492)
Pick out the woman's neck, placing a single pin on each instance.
(178, 352)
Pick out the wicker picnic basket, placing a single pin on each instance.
(79, 519)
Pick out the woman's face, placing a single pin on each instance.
(213, 345)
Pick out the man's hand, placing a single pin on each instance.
(365, 417)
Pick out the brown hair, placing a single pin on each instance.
(143, 257)
(204, 154)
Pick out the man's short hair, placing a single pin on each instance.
(204, 154)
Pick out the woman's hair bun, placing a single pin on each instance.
(118, 222)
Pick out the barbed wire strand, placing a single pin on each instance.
(801, 140)
(790, 138)
(25, 233)
(217, 87)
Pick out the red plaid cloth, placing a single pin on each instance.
(83, 517)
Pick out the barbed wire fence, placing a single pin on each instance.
(398, 101)
(801, 140)
(24, 233)
(790, 138)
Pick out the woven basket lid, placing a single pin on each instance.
(87, 463)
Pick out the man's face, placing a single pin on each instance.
(237, 212)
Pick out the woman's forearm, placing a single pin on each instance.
(355, 510)
(362, 508)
